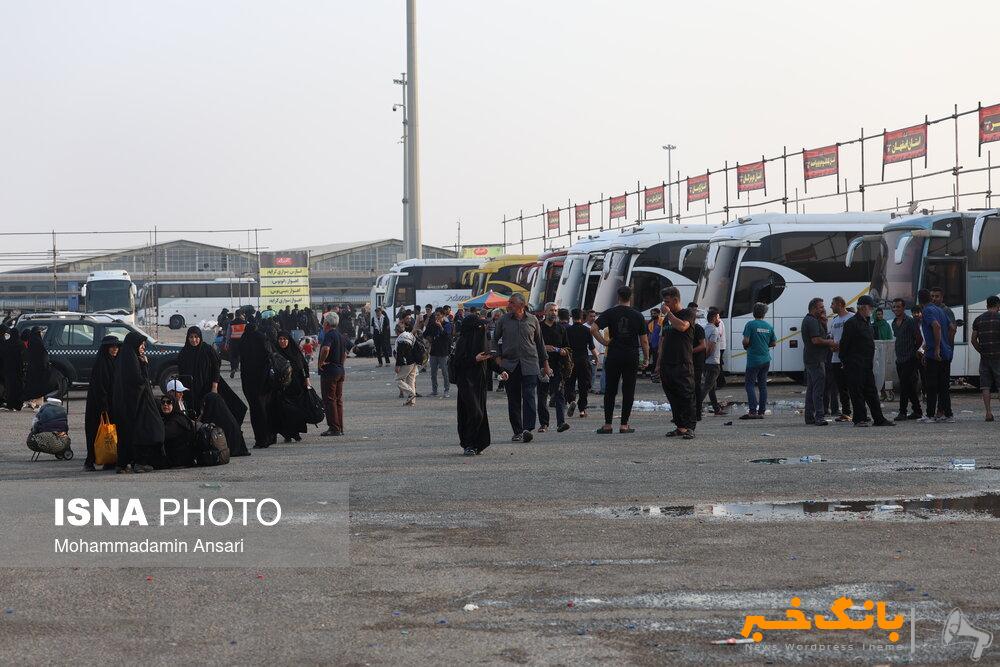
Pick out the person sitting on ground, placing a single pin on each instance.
(51, 418)
(178, 434)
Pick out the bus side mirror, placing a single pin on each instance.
(857, 241)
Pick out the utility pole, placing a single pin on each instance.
(415, 243)
(458, 244)
(670, 148)
(401, 81)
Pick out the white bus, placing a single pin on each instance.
(376, 296)
(415, 283)
(958, 252)
(581, 270)
(111, 293)
(649, 258)
(181, 303)
(784, 260)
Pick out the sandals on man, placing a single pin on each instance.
(626, 430)
(604, 431)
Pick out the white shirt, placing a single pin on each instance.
(837, 330)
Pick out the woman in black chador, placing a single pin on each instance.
(99, 394)
(198, 366)
(473, 364)
(255, 352)
(13, 369)
(292, 399)
(38, 377)
(214, 410)
(134, 410)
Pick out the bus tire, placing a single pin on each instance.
(166, 375)
(176, 322)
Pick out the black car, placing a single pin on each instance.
(73, 340)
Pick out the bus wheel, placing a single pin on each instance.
(797, 378)
(176, 322)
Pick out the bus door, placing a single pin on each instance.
(948, 273)
(753, 284)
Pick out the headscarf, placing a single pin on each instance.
(292, 353)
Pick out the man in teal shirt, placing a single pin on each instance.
(758, 339)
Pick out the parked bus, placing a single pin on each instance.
(416, 282)
(958, 252)
(502, 275)
(648, 258)
(181, 303)
(111, 293)
(581, 271)
(544, 279)
(784, 260)
(376, 297)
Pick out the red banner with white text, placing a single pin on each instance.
(654, 198)
(906, 144)
(553, 218)
(582, 214)
(697, 187)
(619, 207)
(989, 124)
(750, 177)
(819, 162)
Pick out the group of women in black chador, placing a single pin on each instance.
(24, 367)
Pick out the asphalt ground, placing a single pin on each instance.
(560, 544)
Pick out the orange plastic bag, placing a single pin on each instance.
(106, 442)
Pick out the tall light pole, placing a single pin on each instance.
(401, 81)
(415, 249)
(670, 148)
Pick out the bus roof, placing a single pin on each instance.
(410, 263)
(593, 242)
(115, 274)
(645, 236)
(926, 221)
(765, 224)
(210, 281)
(507, 260)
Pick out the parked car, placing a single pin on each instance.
(73, 340)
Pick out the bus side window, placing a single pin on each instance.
(755, 284)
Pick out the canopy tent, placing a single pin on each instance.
(489, 300)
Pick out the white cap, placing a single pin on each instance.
(176, 385)
(53, 401)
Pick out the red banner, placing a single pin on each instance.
(819, 162)
(582, 214)
(553, 218)
(654, 198)
(989, 124)
(698, 188)
(905, 144)
(750, 177)
(618, 207)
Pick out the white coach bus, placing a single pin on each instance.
(582, 267)
(417, 282)
(181, 303)
(649, 258)
(958, 252)
(784, 260)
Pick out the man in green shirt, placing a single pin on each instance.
(758, 339)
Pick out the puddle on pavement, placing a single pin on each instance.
(981, 506)
(812, 458)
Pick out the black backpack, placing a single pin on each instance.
(419, 352)
(210, 445)
(279, 372)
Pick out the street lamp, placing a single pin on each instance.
(670, 199)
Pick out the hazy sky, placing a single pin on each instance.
(252, 113)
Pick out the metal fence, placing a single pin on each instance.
(954, 173)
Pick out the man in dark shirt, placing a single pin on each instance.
(627, 332)
(815, 345)
(440, 347)
(331, 370)
(581, 345)
(857, 352)
(675, 362)
(557, 347)
(986, 340)
(906, 333)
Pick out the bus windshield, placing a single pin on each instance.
(716, 281)
(613, 277)
(574, 275)
(112, 296)
(892, 280)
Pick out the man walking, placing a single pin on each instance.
(626, 334)
(557, 347)
(906, 333)
(582, 349)
(406, 366)
(518, 339)
(713, 359)
(440, 347)
(857, 353)
(986, 340)
(841, 315)
(331, 371)
(934, 328)
(815, 344)
(676, 363)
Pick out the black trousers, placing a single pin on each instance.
(840, 373)
(620, 368)
(699, 400)
(578, 383)
(234, 355)
(678, 384)
(938, 375)
(907, 372)
(861, 381)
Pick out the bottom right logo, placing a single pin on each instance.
(958, 628)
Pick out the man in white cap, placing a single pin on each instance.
(175, 390)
